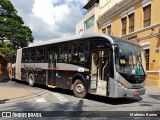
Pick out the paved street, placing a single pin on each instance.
(63, 100)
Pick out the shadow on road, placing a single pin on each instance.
(107, 100)
(112, 101)
(157, 97)
(19, 81)
(55, 110)
(3, 101)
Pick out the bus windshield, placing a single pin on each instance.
(130, 59)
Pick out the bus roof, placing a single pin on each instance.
(112, 39)
(118, 39)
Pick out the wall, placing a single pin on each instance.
(80, 25)
(105, 5)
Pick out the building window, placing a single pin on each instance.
(109, 29)
(147, 15)
(131, 22)
(147, 58)
(89, 23)
(124, 20)
(104, 30)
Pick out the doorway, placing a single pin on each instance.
(52, 61)
(100, 69)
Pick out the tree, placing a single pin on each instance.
(5, 49)
(12, 27)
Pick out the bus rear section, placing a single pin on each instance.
(14, 65)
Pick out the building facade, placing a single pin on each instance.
(94, 8)
(89, 21)
(138, 21)
(105, 5)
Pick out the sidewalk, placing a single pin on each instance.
(12, 93)
(153, 90)
(9, 92)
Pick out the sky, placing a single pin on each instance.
(50, 19)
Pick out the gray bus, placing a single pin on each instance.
(92, 63)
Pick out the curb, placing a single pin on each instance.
(24, 97)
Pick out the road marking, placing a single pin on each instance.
(60, 97)
(41, 100)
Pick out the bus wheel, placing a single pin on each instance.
(79, 89)
(31, 80)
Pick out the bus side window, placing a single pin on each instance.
(65, 53)
(25, 56)
(84, 54)
(32, 56)
(61, 55)
(80, 52)
(82, 57)
(41, 58)
(69, 54)
(75, 55)
(61, 58)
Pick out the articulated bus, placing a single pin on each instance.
(91, 63)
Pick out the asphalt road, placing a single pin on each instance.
(64, 100)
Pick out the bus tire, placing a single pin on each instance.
(31, 80)
(79, 89)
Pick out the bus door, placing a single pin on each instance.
(52, 61)
(100, 69)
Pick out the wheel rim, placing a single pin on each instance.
(80, 88)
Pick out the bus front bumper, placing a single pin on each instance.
(135, 92)
(132, 92)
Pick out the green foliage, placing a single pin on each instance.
(11, 26)
(5, 48)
